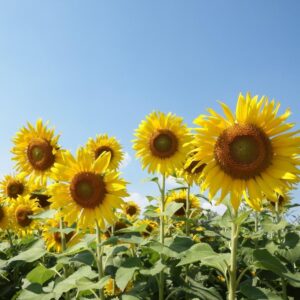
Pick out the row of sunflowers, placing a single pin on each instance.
(69, 231)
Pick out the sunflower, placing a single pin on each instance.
(283, 201)
(250, 154)
(162, 142)
(53, 238)
(147, 227)
(4, 218)
(131, 210)
(20, 211)
(191, 171)
(13, 186)
(36, 150)
(111, 288)
(87, 190)
(103, 143)
(180, 197)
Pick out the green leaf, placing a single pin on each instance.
(196, 253)
(70, 282)
(84, 284)
(126, 271)
(242, 217)
(171, 208)
(162, 249)
(47, 214)
(157, 268)
(85, 257)
(179, 243)
(40, 274)
(269, 226)
(265, 260)
(255, 293)
(35, 252)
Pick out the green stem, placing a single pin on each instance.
(256, 228)
(187, 211)
(63, 249)
(233, 257)
(162, 235)
(10, 241)
(284, 293)
(99, 258)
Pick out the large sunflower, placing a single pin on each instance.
(104, 143)
(13, 186)
(53, 238)
(251, 154)
(180, 197)
(162, 142)
(36, 150)
(20, 211)
(87, 190)
(4, 217)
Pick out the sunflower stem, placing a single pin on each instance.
(162, 234)
(187, 228)
(63, 249)
(233, 259)
(256, 228)
(99, 258)
(12, 246)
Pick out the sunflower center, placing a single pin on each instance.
(131, 210)
(243, 151)
(1, 213)
(88, 189)
(193, 164)
(57, 236)
(163, 143)
(22, 215)
(39, 153)
(43, 199)
(14, 188)
(102, 149)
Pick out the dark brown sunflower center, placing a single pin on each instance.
(102, 149)
(22, 215)
(43, 199)
(148, 230)
(14, 189)
(243, 151)
(88, 189)
(1, 213)
(131, 210)
(181, 211)
(39, 153)
(163, 143)
(57, 236)
(198, 170)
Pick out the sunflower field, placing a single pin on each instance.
(68, 230)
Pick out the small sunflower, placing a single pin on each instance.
(131, 209)
(4, 218)
(87, 190)
(36, 150)
(111, 288)
(283, 201)
(250, 154)
(147, 227)
(180, 197)
(20, 211)
(104, 143)
(53, 238)
(162, 142)
(191, 171)
(13, 186)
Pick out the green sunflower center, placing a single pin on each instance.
(39, 154)
(243, 151)
(22, 215)
(88, 189)
(103, 149)
(14, 188)
(164, 143)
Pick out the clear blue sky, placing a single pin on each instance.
(100, 66)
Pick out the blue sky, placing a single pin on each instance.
(100, 66)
